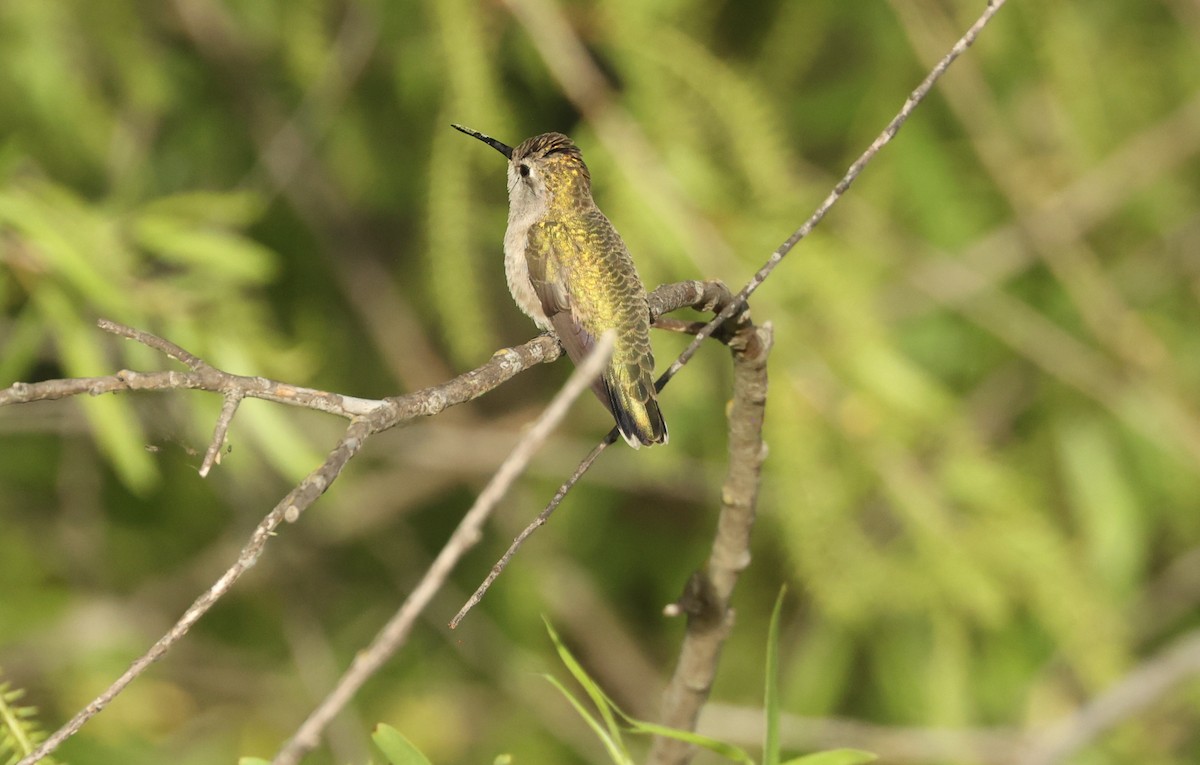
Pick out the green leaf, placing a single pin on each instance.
(835, 757)
(771, 694)
(253, 761)
(398, 749)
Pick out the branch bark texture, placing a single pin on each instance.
(709, 593)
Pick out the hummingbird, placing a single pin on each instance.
(569, 270)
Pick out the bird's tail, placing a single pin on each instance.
(636, 411)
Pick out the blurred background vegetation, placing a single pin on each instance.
(984, 478)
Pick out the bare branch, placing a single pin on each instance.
(708, 594)
(504, 365)
(213, 455)
(386, 413)
(467, 535)
(189, 360)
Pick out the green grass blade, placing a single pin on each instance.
(616, 750)
(604, 705)
(771, 693)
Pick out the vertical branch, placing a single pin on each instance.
(707, 596)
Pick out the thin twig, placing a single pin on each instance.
(467, 535)
(203, 376)
(228, 410)
(190, 360)
(533, 526)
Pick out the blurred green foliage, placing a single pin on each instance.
(984, 428)
(19, 729)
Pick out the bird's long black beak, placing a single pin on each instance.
(503, 148)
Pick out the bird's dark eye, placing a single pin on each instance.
(524, 170)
